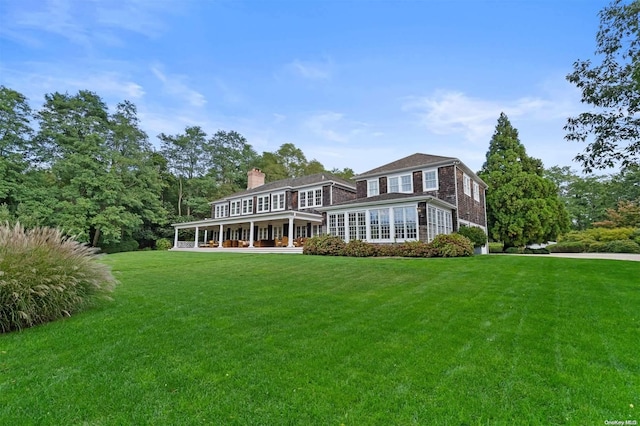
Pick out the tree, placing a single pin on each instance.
(522, 206)
(232, 157)
(612, 88)
(626, 214)
(185, 154)
(346, 173)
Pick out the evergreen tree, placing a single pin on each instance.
(522, 206)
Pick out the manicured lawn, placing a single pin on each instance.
(202, 338)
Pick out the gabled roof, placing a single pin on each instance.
(291, 183)
(412, 161)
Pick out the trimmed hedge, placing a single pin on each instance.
(476, 235)
(452, 245)
(358, 248)
(324, 245)
(122, 246)
(567, 247)
(496, 247)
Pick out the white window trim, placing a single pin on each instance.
(308, 199)
(466, 184)
(238, 205)
(424, 180)
(245, 205)
(262, 209)
(369, 192)
(476, 191)
(275, 201)
(400, 176)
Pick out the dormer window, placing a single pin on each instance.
(221, 210)
(310, 198)
(247, 206)
(278, 201)
(372, 188)
(235, 208)
(263, 203)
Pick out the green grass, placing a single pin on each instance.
(203, 338)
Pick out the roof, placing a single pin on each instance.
(412, 161)
(389, 198)
(298, 182)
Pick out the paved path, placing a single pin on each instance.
(610, 256)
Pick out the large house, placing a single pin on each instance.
(414, 198)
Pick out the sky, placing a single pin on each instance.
(352, 83)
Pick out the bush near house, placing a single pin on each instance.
(45, 275)
(451, 245)
(163, 244)
(477, 236)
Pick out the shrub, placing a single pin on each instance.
(45, 275)
(324, 245)
(599, 234)
(597, 247)
(496, 247)
(122, 246)
(619, 246)
(567, 247)
(477, 236)
(514, 250)
(358, 248)
(416, 249)
(542, 250)
(388, 250)
(163, 244)
(452, 245)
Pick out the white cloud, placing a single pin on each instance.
(451, 112)
(312, 70)
(175, 86)
(334, 127)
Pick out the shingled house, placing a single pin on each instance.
(414, 198)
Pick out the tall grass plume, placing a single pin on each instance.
(46, 275)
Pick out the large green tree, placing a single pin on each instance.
(522, 206)
(232, 157)
(99, 168)
(612, 89)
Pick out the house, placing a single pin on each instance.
(265, 213)
(413, 198)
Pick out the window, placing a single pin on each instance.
(476, 191)
(263, 233)
(222, 210)
(235, 208)
(247, 206)
(372, 188)
(400, 184)
(466, 180)
(438, 222)
(301, 231)
(379, 226)
(277, 201)
(277, 232)
(310, 198)
(405, 225)
(245, 234)
(262, 203)
(430, 180)
(357, 226)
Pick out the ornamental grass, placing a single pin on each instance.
(46, 275)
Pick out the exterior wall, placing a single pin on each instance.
(341, 195)
(382, 182)
(469, 209)
(361, 189)
(417, 182)
(446, 185)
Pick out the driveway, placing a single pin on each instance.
(610, 256)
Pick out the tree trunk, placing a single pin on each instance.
(96, 238)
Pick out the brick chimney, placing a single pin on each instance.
(255, 178)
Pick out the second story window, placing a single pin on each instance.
(277, 201)
(222, 210)
(247, 206)
(235, 208)
(263, 204)
(372, 188)
(430, 180)
(401, 183)
(466, 182)
(476, 191)
(310, 198)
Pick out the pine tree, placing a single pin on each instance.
(522, 206)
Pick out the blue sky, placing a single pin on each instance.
(353, 83)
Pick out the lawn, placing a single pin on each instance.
(203, 338)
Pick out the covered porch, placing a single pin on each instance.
(277, 230)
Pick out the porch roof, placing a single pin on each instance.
(262, 217)
(387, 199)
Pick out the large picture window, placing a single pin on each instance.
(438, 222)
(405, 225)
(379, 225)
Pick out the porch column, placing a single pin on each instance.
(205, 236)
(291, 232)
(347, 235)
(251, 234)
(220, 237)
(195, 243)
(175, 239)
